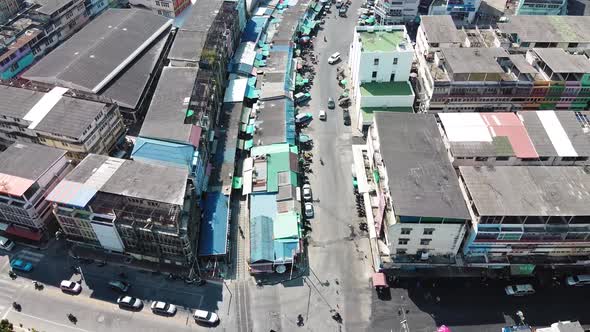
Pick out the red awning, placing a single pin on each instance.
(24, 233)
(379, 280)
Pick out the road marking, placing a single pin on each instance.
(48, 321)
(32, 253)
(6, 313)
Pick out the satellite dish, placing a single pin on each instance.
(281, 268)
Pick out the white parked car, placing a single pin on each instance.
(163, 308)
(70, 286)
(309, 210)
(520, 290)
(334, 58)
(307, 192)
(128, 302)
(578, 280)
(322, 115)
(207, 317)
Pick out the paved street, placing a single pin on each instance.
(467, 305)
(339, 269)
(95, 308)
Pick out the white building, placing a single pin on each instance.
(27, 173)
(413, 198)
(165, 8)
(380, 63)
(462, 11)
(389, 12)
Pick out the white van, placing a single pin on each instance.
(322, 115)
(6, 244)
(578, 280)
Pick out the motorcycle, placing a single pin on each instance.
(12, 275)
(72, 318)
(16, 306)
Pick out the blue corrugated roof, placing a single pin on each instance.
(261, 244)
(148, 150)
(213, 236)
(254, 28)
(285, 249)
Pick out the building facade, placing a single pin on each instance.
(480, 70)
(120, 207)
(388, 12)
(462, 11)
(541, 7)
(59, 118)
(545, 223)
(9, 8)
(28, 172)
(380, 62)
(169, 9)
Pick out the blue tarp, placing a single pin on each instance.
(263, 210)
(213, 235)
(254, 28)
(153, 150)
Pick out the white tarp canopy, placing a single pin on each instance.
(236, 89)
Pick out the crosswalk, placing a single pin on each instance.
(29, 255)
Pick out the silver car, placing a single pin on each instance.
(206, 317)
(163, 308)
(128, 302)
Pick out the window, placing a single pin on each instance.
(425, 242)
(428, 231)
(376, 62)
(403, 241)
(481, 158)
(401, 251)
(392, 77)
(395, 61)
(374, 75)
(157, 3)
(406, 231)
(502, 158)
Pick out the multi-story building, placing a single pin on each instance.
(527, 215)
(541, 7)
(461, 11)
(125, 74)
(166, 8)
(571, 33)
(28, 173)
(392, 12)
(142, 210)
(380, 62)
(9, 8)
(165, 137)
(60, 118)
(547, 138)
(410, 190)
(95, 7)
(35, 31)
(480, 70)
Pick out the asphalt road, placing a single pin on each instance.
(339, 271)
(95, 308)
(467, 305)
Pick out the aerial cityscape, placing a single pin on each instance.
(286, 165)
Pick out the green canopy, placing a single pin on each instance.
(250, 129)
(249, 144)
(343, 82)
(304, 138)
(370, 20)
(237, 182)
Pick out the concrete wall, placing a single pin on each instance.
(445, 240)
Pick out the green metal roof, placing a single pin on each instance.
(503, 146)
(386, 89)
(367, 112)
(286, 225)
(382, 41)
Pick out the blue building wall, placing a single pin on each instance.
(22, 63)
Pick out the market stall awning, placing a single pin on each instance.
(379, 280)
(304, 138)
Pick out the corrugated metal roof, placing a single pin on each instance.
(509, 125)
(286, 225)
(14, 185)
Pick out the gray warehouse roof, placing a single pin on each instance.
(562, 62)
(100, 52)
(474, 60)
(528, 190)
(165, 117)
(421, 180)
(132, 178)
(68, 117)
(440, 29)
(540, 28)
(28, 161)
(272, 117)
(49, 7)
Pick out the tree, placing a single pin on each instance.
(6, 326)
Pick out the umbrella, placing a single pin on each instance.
(343, 82)
(443, 328)
(305, 39)
(364, 17)
(370, 20)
